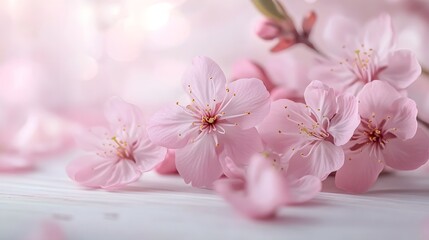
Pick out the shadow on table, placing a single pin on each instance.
(169, 184)
(388, 185)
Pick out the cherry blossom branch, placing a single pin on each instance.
(425, 71)
(423, 122)
(279, 25)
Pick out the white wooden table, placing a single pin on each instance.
(163, 207)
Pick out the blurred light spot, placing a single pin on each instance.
(108, 12)
(19, 81)
(156, 16)
(85, 13)
(172, 35)
(311, 1)
(410, 38)
(124, 40)
(87, 67)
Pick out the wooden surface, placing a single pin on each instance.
(161, 207)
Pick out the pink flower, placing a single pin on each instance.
(22, 145)
(47, 230)
(219, 121)
(388, 135)
(12, 161)
(311, 135)
(260, 190)
(119, 154)
(360, 56)
(168, 166)
(250, 69)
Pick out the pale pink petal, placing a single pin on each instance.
(168, 166)
(11, 162)
(282, 93)
(47, 230)
(171, 127)
(249, 69)
(339, 31)
(249, 101)
(359, 172)
(92, 171)
(403, 119)
(92, 139)
(318, 160)
(43, 134)
(233, 191)
(261, 180)
(379, 35)
(418, 91)
(204, 81)
(321, 99)
(277, 124)
(407, 154)
(240, 145)
(376, 97)
(346, 120)
(402, 70)
(230, 168)
(148, 155)
(336, 76)
(268, 29)
(303, 189)
(122, 115)
(198, 162)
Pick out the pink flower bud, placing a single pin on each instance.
(268, 30)
(308, 22)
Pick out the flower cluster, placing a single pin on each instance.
(261, 153)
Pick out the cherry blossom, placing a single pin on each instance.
(312, 134)
(388, 135)
(218, 121)
(118, 154)
(265, 176)
(361, 55)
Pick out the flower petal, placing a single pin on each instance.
(171, 127)
(377, 97)
(345, 121)
(250, 69)
(264, 180)
(261, 180)
(418, 92)
(339, 31)
(249, 100)
(122, 115)
(93, 139)
(318, 160)
(278, 131)
(359, 172)
(402, 70)
(234, 192)
(407, 154)
(230, 168)
(204, 81)
(379, 34)
(403, 122)
(303, 189)
(336, 76)
(321, 99)
(148, 155)
(92, 171)
(198, 162)
(168, 166)
(240, 145)
(10, 162)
